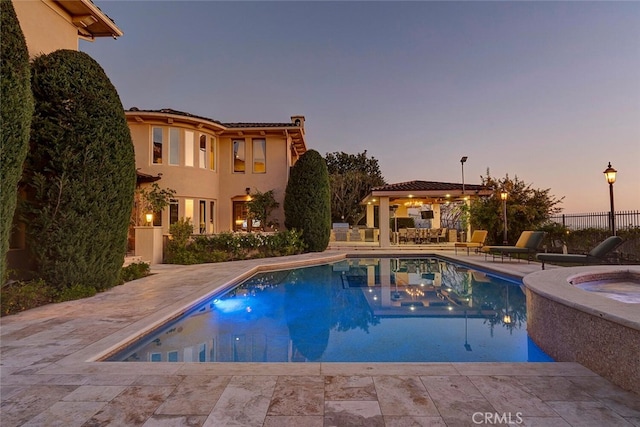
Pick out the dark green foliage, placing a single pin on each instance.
(261, 205)
(307, 201)
(79, 174)
(134, 271)
(527, 209)
(20, 296)
(16, 106)
(186, 249)
(351, 178)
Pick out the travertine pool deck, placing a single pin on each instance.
(47, 377)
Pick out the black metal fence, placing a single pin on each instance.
(624, 220)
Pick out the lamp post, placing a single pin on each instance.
(462, 160)
(507, 317)
(610, 175)
(503, 196)
(467, 346)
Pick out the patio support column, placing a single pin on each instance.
(467, 201)
(385, 282)
(370, 216)
(384, 222)
(435, 222)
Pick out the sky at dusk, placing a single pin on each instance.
(545, 91)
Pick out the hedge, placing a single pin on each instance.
(80, 173)
(16, 109)
(307, 201)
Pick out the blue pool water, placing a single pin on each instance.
(356, 310)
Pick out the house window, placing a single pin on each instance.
(156, 357)
(174, 146)
(172, 356)
(259, 156)
(157, 218)
(173, 211)
(203, 216)
(188, 209)
(238, 155)
(189, 141)
(211, 222)
(157, 146)
(202, 352)
(202, 154)
(212, 154)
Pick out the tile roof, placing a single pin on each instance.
(175, 112)
(259, 125)
(428, 186)
(227, 125)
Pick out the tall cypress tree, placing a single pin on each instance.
(16, 108)
(307, 201)
(80, 173)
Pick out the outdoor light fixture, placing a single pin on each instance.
(610, 175)
(462, 160)
(247, 190)
(149, 218)
(503, 196)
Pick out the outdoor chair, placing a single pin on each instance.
(411, 235)
(528, 243)
(477, 241)
(439, 233)
(402, 235)
(596, 256)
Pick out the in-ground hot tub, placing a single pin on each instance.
(589, 315)
(618, 285)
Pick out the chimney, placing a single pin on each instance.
(298, 121)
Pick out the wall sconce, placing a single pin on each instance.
(149, 218)
(247, 191)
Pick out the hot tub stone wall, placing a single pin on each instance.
(569, 335)
(573, 325)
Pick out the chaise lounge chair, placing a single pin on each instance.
(528, 243)
(596, 256)
(477, 241)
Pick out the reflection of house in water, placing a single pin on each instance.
(242, 335)
(416, 288)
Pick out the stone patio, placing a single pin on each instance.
(48, 376)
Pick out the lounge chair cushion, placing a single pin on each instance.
(528, 242)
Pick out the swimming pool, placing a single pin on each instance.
(356, 310)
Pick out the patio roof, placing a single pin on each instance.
(431, 191)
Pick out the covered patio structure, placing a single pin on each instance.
(423, 199)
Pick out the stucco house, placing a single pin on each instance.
(213, 167)
(49, 25)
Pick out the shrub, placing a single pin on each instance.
(229, 246)
(80, 173)
(136, 270)
(20, 296)
(307, 201)
(75, 291)
(16, 109)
